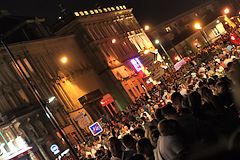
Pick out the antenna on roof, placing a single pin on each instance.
(63, 10)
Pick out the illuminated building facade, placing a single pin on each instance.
(174, 32)
(23, 129)
(63, 69)
(113, 41)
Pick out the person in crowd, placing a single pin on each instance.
(137, 157)
(169, 112)
(115, 147)
(158, 115)
(145, 148)
(130, 146)
(195, 103)
(139, 133)
(177, 100)
(170, 144)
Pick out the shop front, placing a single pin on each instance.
(14, 147)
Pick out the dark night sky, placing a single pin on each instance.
(147, 11)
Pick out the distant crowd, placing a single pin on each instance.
(197, 118)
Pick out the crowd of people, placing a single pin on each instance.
(197, 118)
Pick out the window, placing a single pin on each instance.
(215, 32)
(168, 29)
(23, 96)
(28, 65)
(23, 68)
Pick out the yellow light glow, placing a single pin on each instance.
(226, 10)
(197, 25)
(146, 27)
(76, 14)
(157, 41)
(105, 9)
(177, 58)
(112, 8)
(114, 40)
(81, 13)
(64, 60)
(146, 51)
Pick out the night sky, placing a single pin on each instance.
(146, 11)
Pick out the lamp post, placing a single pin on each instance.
(39, 99)
(226, 11)
(198, 26)
(166, 53)
(146, 27)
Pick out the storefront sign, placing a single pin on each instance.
(95, 129)
(82, 120)
(55, 149)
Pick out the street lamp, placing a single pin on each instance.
(157, 41)
(64, 59)
(198, 26)
(114, 40)
(226, 11)
(146, 27)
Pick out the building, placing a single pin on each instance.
(23, 131)
(23, 123)
(176, 30)
(115, 43)
(18, 28)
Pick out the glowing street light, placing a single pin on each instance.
(146, 27)
(64, 60)
(226, 11)
(157, 41)
(198, 26)
(114, 40)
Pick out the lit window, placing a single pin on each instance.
(215, 32)
(76, 14)
(28, 64)
(23, 95)
(105, 9)
(23, 68)
(95, 10)
(112, 8)
(168, 29)
(91, 11)
(86, 13)
(81, 13)
(100, 10)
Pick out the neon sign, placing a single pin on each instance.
(136, 64)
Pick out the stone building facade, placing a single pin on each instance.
(113, 39)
